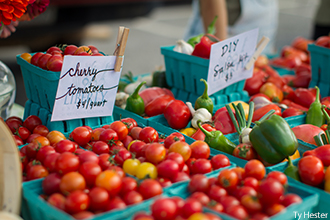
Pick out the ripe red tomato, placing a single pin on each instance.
(132, 197)
(252, 182)
(290, 198)
(14, 124)
(167, 169)
(270, 191)
(108, 135)
(57, 200)
(311, 170)
(99, 199)
(177, 114)
(36, 172)
(176, 136)
(190, 207)
(53, 49)
(274, 209)
(229, 201)
(65, 146)
(55, 63)
(244, 190)
(150, 188)
(35, 57)
(164, 209)
(219, 161)
(121, 156)
(50, 162)
(72, 181)
(77, 201)
(255, 168)
(182, 148)
(83, 215)
(43, 152)
(70, 49)
(155, 153)
(251, 203)
(23, 133)
(66, 162)
(200, 149)
(136, 148)
(245, 151)
(51, 183)
(82, 135)
(128, 184)
(18, 140)
(90, 156)
(100, 147)
(130, 123)
(228, 179)
(323, 41)
(135, 132)
(279, 176)
(41, 129)
(201, 166)
(198, 183)
(201, 197)
(90, 170)
(148, 135)
(238, 212)
(32, 150)
(181, 176)
(115, 203)
(31, 122)
(120, 128)
(177, 158)
(216, 192)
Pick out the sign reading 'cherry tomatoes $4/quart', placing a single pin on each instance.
(87, 88)
(228, 59)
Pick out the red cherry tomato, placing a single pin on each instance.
(148, 135)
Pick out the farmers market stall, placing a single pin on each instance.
(222, 132)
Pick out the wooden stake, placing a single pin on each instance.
(260, 47)
(120, 46)
(10, 172)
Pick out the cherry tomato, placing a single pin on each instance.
(43, 141)
(99, 199)
(201, 197)
(121, 156)
(108, 135)
(31, 122)
(244, 190)
(95, 136)
(182, 148)
(132, 197)
(252, 182)
(54, 137)
(228, 179)
(150, 188)
(18, 140)
(32, 150)
(270, 191)
(164, 182)
(83, 215)
(50, 162)
(104, 161)
(43, 152)
(23, 133)
(201, 166)
(36, 172)
(136, 147)
(164, 209)
(57, 200)
(127, 140)
(131, 165)
(255, 168)
(71, 182)
(245, 151)
(215, 206)
(279, 176)
(190, 207)
(176, 136)
(128, 184)
(200, 149)
(198, 183)
(14, 123)
(70, 49)
(148, 135)
(167, 169)
(311, 170)
(240, 173)
(120, 128)
(238, 212)
(90, 170)
(290, 198)
(82, 135)
(90, 156)
(146, 169)
(155, 153)
(219, 161)
(51, 183)
(66, 162)
(77, 201)
(274, 209)
(109, 180)
(216, 192)
(65, 146)
(100, 147)
(130, 123)
(115, 203)
(41, 129)
(177, 158)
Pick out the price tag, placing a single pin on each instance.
(228, 59)
(87, 88)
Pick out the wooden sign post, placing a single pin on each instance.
(120, 46)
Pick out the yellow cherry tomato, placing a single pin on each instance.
(130, 166)
(188, 131)
(146, 169)
(26, 56)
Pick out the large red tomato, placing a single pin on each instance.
(177, 114)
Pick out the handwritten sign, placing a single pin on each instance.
(87, 88)
(228, 59)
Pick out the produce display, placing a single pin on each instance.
(182, 155)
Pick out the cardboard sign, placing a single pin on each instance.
(228, 59)
(87, 87)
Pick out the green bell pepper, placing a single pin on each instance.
(273, 139)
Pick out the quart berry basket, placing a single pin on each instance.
(320, 64)
(185, 71)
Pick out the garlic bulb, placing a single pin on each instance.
(183, 47)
